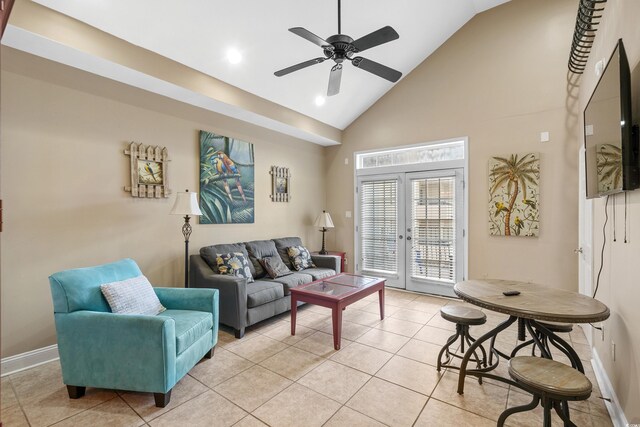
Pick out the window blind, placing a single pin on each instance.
(379, 225)
(433, 224)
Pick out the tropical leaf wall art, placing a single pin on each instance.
(226, 180)
(514, 195)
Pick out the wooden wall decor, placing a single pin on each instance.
(148, 171)
(280, 184)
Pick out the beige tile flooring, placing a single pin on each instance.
(384, 375)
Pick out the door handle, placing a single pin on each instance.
(408, 237)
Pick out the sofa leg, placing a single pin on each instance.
(239, 333)
(162, 399)
(76, 392)
(209, 354)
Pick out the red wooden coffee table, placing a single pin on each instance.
(336, 293)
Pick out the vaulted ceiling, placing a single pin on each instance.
(200, 33)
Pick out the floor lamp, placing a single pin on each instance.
(324, 220)
(186, 204)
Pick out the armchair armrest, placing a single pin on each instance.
(117, 351)
(189, 299)
(232, 291)
(327, 261)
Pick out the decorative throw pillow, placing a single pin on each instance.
(300, 257)
(132, 296)
(234, 264)
(274, 266)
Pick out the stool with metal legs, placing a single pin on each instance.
(552, 384)
(463, 317)
(542, 340)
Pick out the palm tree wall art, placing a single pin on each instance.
(609, 167)
(514, 195)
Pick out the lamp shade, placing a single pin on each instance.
(324, 220)
(186, 204)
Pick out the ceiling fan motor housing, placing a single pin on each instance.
(342, 48)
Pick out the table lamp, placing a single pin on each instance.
(186, 204)
(324, 221)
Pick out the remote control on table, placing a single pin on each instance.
(510, 293)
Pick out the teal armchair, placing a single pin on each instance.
(129, 352)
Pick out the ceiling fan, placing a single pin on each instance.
(341, 47)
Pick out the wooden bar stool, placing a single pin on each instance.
(550, 382)
(463, 317)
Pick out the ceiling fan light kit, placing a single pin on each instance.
(340, 48)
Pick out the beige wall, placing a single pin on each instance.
(63, 171)
(619, 284)
(500, 80)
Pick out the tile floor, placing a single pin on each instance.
(384, 375)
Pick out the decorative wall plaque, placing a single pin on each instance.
(280, 184)
(148, 171)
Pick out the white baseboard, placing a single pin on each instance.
(615, 410)
(19, 362)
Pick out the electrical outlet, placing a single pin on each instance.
(613, 351)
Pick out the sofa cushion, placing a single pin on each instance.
(209, 254)
(132, 296)
(292, 280)
(300, 258)
(319, 273)
(263, 291)
(274, 266)
(257, 250)
(190, 326)
(234, 264)
(283, 244)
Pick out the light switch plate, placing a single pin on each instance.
(347, 214)
(544, 136)
(588, 130)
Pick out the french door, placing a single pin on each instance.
(410, 229)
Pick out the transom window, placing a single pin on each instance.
(411, 155)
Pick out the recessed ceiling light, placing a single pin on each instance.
(234, 56)
(320, 100)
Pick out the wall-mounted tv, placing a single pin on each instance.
(611, 140)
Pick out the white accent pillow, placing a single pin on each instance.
(132, 296)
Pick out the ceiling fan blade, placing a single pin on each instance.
(378, 37)
(299, 66)
(306, 34)
(334, 80)
(377, 69)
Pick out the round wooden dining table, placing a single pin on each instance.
(533, 303)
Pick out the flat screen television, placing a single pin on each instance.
(611, 140)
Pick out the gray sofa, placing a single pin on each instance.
(243, 304)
